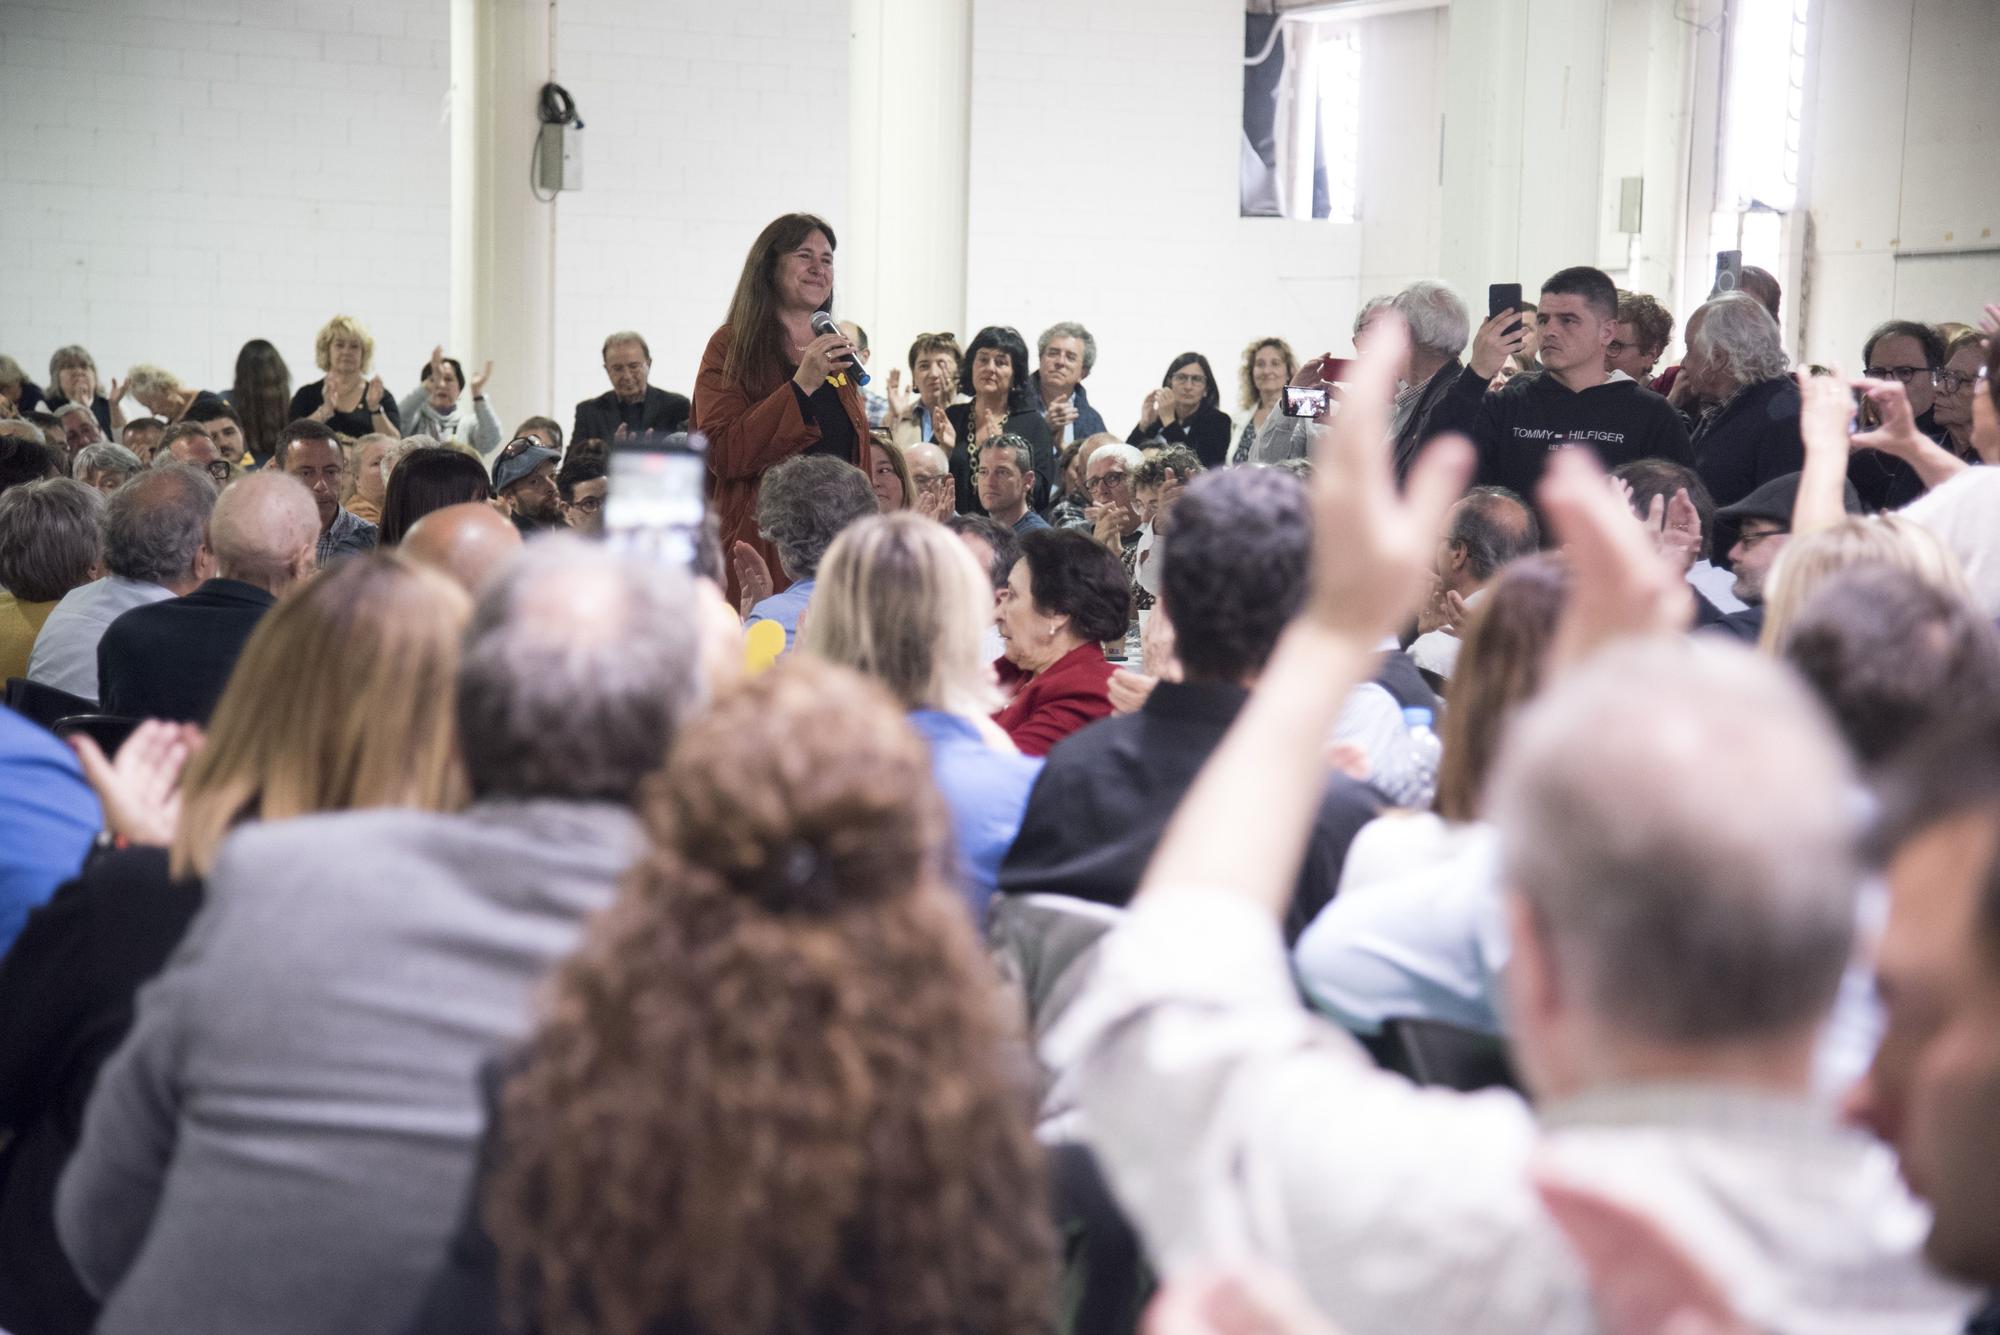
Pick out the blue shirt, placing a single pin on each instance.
(784, 608)
(1029, 522)
(48, 816)
(987, 792)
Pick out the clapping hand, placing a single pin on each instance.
(141, 790)
(1444, 611)
(372, 396)
(899, 402)
(479, 381)
(1060, 414)
(753, 576)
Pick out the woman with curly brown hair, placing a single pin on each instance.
(770, 1093)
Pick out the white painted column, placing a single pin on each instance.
(502, 237)
(901, 264)
(1523, 140)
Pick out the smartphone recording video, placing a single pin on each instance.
(1304, 401)
(657, 498)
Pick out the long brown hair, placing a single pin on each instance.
(341, 699)
(770, 1090)
(1499, 669)
(262, 396)
(756, 356)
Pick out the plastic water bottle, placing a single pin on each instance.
(1410, 778)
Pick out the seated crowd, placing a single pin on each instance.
(1515, 849)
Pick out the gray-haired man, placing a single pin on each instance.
(1067, 353)
(285, 1140)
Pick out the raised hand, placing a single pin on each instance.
(437, 362)
(1989, 321)
(1373, 548)
(1680, 537)
(1149, 409)
(899, 402)
(1492, 344)
(372, 395)
(1245, 1300)
(1642, 1280)
(479, 381)
(1060, 414)
(141, 790)
(943, 434)
(116, 392)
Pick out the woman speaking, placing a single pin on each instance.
(769, 386)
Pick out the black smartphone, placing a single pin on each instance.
(1304, 401)
(658, 496)
(1728, 272)
(1503, 297)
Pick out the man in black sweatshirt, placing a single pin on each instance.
(1574, 401)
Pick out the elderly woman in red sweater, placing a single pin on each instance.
(769, 387)
(1065, 597)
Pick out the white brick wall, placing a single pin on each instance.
(178, 176)
(703, 122)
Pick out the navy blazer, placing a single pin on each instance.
(597, 419)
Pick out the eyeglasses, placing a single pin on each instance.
(1105, 483)
(1953, 381)
(1749, 540)
(925, 481)
(1187, 378)
(219, 469)
(590, 505)
(1902, 375)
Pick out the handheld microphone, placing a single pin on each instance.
(822, 323)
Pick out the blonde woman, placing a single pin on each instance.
(348, 398)
(901, 598)
(1810, 558)
(343, 698)
(1268, 366)
(161, 391)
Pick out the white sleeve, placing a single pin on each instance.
(1231, 1122)
(1413, 946)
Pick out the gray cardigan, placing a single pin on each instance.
(285, 1138)
(477, 427)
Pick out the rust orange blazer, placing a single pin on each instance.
(750, 429)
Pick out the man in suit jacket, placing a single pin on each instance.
(631, 405)
(1234, 575)
(170, 660)
(283, 1141)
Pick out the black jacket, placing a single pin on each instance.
(1425, 418)
(1516, 427)
(1206, 433)
(66, 999)
(598, 419)
(357, 423)
(170, 660)
(1885, 482)
(1104, 798)
(1749, 440)
(1028, 424)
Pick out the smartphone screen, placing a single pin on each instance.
(1503, 297)
(657, 496)
(1304, 401)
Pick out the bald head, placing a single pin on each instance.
(265, 531)
(465, 541)
(924, 457)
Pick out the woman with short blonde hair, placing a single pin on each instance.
(343, 698)
(347, 398)
(1809, 558)
(901, 598)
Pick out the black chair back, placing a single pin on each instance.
(44, 704)
(1431, 1052)
(109, 731)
